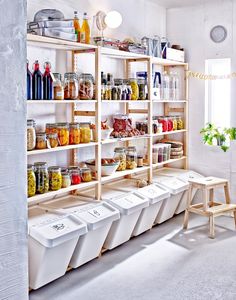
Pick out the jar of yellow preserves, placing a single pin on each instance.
(31, 181)
(55, 178)
(85, 132)
(63, 134)
(74, 133)
(135, 89)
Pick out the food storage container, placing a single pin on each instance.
(53, 139)
(31, 181)
(66, 179)
(42, 177)
(58, 89)
(134, 89)
(51, 128)
(142, 89)
(63, 133)
(86, 86)
(41, 140)
(164, 122)
(175, 124)
(52, 241)
(121, 157)
(71, 86)
(75, 176)
(86, 175)
(85, 132)
(180, 123)
(131, 158)
(31, 135)
(74, 135)
(55, 178)
(170, 123)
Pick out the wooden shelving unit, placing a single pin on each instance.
(127, 59)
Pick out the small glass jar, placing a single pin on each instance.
(159, 128)
(140, 161)
(58, 88)
(71, 86)
(135, 89)
(31, 135)
(42, 177)
(75, 176)
(66, 180)
(31, 181)
(164, 122)
(121, 157)
(55, 178)
(74, 133)
(85, 132)
(180, 123)
(86, 175)
(41, 140)
(142, 88)
(131, 158)
(175, 124)
(53, 139)
(51, 128)
(86, 86)
(170, 124)
(63, 133)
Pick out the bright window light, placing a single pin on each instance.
(217, 96)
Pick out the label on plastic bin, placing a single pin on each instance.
(98, 212)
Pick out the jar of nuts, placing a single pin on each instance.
(70, 86)
(86, 86)
(131, 158)
(121, 157)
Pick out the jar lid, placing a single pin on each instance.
(85, 124)
(57, 76)
(88, 75)
(50, 125)
(41, 135)
(62, 125)
(132, 79)
(31, 122)
(73, 168)
(53, 135)
(40, 165)
(70, 75)
(119, 149)
(64, 169)
(54, 169)
(74, 125)
(85, 170)
(30, 167)
(65, 173)
(118, 81)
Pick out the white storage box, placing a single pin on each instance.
(155, 195)
(130, 207)
(52, 240)
(184, 175)
(98, 216)
(174, 54)
(176, 187)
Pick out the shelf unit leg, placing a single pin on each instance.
(150, 116)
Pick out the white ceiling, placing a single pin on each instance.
(179, 3)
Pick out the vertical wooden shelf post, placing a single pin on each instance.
(150, 117)
(186, 118)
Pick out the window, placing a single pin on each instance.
(217, 97)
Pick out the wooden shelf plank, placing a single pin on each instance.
(60, 101)
(169, 132)
(169, 101)
(110, 141)
(167, 62)
(170, 161)
(125, 101)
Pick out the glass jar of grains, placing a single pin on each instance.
(58, 88)
(31, 181)
(85, 132)
(42, 177)
(86, 175)
(131, 158)
(63, 133)
(31, 135)
(74, 133)
(55, 178)
(121, 157)
(71, 86)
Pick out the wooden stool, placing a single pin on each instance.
(209, 208)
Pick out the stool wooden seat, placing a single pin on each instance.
(209, 208)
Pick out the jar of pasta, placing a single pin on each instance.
(66, 180)
(86, 86)
(71, 86)
(55, 178)
(131, 158)
(121, 157)
(41, 140)
(31, 135)
(63, 133)
(86, 175)
(74, 133)
(53, 139)
(31, 181)
(42, 177)
(85, 132)
(135, 89)
(58, 88)
(50, 128)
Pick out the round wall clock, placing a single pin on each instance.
(218, 34)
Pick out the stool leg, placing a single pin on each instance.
(227, 195)
(212, 227)
(211, 203)
(186, 215)
(186, 218)
(235, 217)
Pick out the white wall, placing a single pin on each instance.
(191, 27)
(13, 201)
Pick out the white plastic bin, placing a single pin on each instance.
(176, 187)
(130, 207)
(184, 175)
(52, 241)
(98, 216)
(155, 195)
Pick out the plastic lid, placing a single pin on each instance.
(153, 193)
(172, 184)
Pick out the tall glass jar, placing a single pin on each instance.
(135, 89)
(121, 157)
(142, 88)
(131, 158)
(55, 178)
(42, 177)
(31, 181)
(86, 86)
(74, 133)
(63, 133)
(71, 86)
(85, 132)
(58, 89)
(31, 135)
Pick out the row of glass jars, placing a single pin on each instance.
(170, 123)
(160, 153)
(58, 134)
(42, 179)
(128, 158)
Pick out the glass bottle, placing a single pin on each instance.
(47, 82)
(29, 83)
(166, 86)
(85, 30)
(58, 89)
(77, 25)
(37, 82)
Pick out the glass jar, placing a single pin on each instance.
(51, 128)
(71, 87)
(164, 122)
(142, 88)
(63, 133)
(41, 140)
(118, 84)
(85, 132)
(86, 86)
(121, 157)
(74, 133)
(31, 181)
(170, 124)
(66, 180)
(58, 88)
(53, 139)
(42, 177)
(135, 89)
(131, 158)
(165, 153)
(140, 161)
(175, 124)
(31, 135)
(180, 123)
(86, 175)
(154, 155)
(159, 128)
(55, 178)
(75, 176)
(160, 154)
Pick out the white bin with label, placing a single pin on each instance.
(176, 187)
(52, 241)
(98, 216)
(130, 207)
(155, 195)
(184, 175)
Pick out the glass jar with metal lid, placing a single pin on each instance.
(131, 158)
(85, 132)
(142, 88)
(41, 140)
(71, 87)
(74, 133)
(55, 178)
(118, 85)
(50, 128)
(58, 88)
(86, 175)
(120, 156)
(42, 177)
(31, 181)
(53, 139)
(31, 135)
(63, 133)
(86, 86)
(66, 180)
(180, 123)
(75, 175)
(135, 89)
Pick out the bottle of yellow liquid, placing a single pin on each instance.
(85, 31)
(76, 25)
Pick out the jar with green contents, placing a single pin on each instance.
(131, 158)
(42, 177)
(31, 181)
(55, 178)
(175, 123)
(180, 123)
(121, 157)
(135, 89)
(142, 88)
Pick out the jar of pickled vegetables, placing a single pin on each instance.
(31, 135)
(51, 128)
(142, 88)
(74, 133)
(175, 124)
(41, 140)
(63, 133)
(31, 181)
(86, 175)
(180, 123)
(75, 176)
(53, 140)
(131, 158)
(66, 180)
(121, 157)
(42, 177)
(85, 132)
(135, 89)
(71, 87)
(55, 178)
(86, 86)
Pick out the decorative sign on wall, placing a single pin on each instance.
(204, 76)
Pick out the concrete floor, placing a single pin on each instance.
(164, 263)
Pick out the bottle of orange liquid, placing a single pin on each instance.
(85, 31)
(77, 26)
